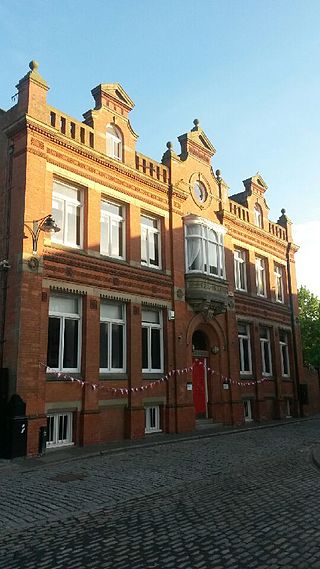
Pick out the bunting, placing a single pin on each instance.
(151, 384)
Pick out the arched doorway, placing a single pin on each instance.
(200, 355)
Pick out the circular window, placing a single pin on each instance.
(200, 191)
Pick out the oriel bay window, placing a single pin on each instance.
(244, 348)
(112, 240)
(112, 337)
(150, 242)
(64, 333)
(152, 341)
(204, 247)
(67, 212)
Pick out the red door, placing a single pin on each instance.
(199, 389)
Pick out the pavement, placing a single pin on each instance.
(74, 453)
(245, 498)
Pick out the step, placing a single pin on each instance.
(202, 424)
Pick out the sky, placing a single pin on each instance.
(247, 69)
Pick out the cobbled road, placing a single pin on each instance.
(245, 500)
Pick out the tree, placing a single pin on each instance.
(309, 317)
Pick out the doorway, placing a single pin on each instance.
(199, 374)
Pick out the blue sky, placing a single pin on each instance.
(248, 69)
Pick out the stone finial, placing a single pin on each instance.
(196, 122)
(33, 65)
(218, 174)
(283, 211)
(169, 145)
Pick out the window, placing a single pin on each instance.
(152, 419)
(114, 142)
(258, 218)
(288, 408)
(150, 242)
(67, 212)
(244, 348)
(200, 191)
(59, 429)
(152, 341)
(284, 353)
(261, 277)
(112, 337)
(278, 277)
(240, 270)
(247, 407)
(112, 230)
(204, 247)
(64, 333)
(265, 346)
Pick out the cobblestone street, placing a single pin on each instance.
(245, 500)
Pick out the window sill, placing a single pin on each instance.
(152, 375)
(113, 376)
(54, 377)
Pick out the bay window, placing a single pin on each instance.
(204, 247)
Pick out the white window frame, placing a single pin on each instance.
(63, 316)
(202, 242)
(265, 342)
(261, 281)
(152, 419)
(288, 403)
(240, 270)
(120, 322)
(151, 326)
(56, 442)
(111, 220)
(284, 347)
(279, 283)
(114, 142)
(258, 216)
(149, 233)
(60, 237)
(242, 338)
(247, 410)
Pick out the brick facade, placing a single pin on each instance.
(196, 302)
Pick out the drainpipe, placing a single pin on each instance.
(4, 263)
(294, 336)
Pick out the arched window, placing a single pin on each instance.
(114, 142)
(258, 218)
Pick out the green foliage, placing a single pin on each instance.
(309, 316)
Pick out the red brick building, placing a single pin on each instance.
(159, 301)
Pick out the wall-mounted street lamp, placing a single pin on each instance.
(46, 224)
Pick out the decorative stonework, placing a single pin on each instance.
(206, 294)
